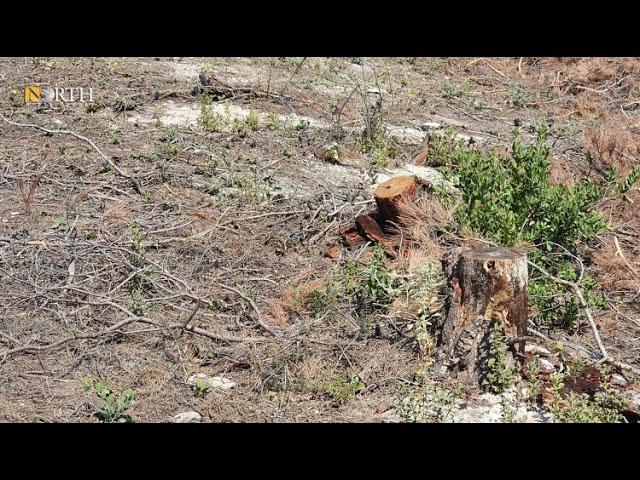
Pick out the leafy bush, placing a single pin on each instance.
(510, 200)
(580, 408)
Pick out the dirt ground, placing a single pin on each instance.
(223, 228)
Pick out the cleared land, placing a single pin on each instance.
(214, 201)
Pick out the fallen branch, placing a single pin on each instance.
(587, 311)
(115, 329)
(253, 306)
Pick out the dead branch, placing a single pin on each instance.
(585, 306)
(253, 306)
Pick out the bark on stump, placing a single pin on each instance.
(486, 286)
(391, 193)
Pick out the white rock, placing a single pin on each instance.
(390, 416)
(545, 365)
(219, 383)
(633, 398)
(537, 350)
(618, 380)
(186, 417)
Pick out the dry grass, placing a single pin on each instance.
(421, 221)
(613, 143)
(613, 272)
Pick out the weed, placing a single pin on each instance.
(425, 403)
(449, 89)
(516, 97)
(167, 144)
(209, 119)
(317, 302)
(93, 107)
(252, 120)
(114, 134)
(201, 387)
(580, 408)
(534, 386)
(115, 405)
(16, 98)
(342, 390)
(500, 373)
(479, 104)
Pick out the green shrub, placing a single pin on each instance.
(510, 200)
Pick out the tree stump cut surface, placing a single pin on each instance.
(390, 194)
(486, 286)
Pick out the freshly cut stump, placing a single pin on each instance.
(486, 286)
(390, 194)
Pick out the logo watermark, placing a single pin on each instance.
(48, 94)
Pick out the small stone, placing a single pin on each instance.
(186, 417)
(390, 416)
(537, 350)
(216, 383)
(545, 365)
(618, 380)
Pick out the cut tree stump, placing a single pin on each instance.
(485, 286)
(390, 194)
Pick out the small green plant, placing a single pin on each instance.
(450, 90)
(580, 408)
(379, 145)
(202, 387)
(252, 120)
(273, 122)
(319, 301)
(16, 98)
(517, 97)
(534, 387)
(114, 134)
(479, 104)
(114, 405)
(209, 119)
(500, 374)
(167, 144)
(136, 288)
(424, 403)
(93, 107)
(342, 390)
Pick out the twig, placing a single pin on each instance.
(253, 306)
(578, 292)
(626, 262)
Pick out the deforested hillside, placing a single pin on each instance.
(319, 239)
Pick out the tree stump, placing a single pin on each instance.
(390, 194)
(486, 286)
